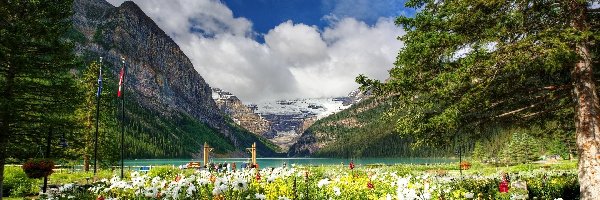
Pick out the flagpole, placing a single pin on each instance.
(123, 120)
(97, 118)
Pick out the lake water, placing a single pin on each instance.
(276, 162)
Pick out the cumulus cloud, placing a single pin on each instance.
(295, 61)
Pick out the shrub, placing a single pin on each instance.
(38, 168)
(163, 172)
(553, 186)
(16, 183)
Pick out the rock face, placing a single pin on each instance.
(240, 113)
(159, 75)
(283, 121)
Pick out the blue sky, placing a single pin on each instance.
(266, 14)
(265, 50)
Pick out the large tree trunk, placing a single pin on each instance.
(587, 112)
(587, 129)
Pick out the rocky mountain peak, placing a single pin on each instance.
(160, 76)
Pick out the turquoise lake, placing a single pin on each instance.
(277, 162)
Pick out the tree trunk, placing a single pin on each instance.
(2, 161)
(86, 162)
(5, 118)
(587, 129)
(587, 112)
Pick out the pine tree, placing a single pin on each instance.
(469, 64)
(37, 92)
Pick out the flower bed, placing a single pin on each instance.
(328, 183)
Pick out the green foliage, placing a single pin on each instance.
(521, 148)
(75, 36)
(553, 186)
(471, 64)
(38, 91)
(163, 172)
(17, 184)
(520, 145)
(362, 131)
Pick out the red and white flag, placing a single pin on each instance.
(121, 81)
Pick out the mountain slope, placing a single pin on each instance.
(169, 105)
(240, 113)
(359, 131)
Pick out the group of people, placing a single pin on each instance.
(221, 167)
(227, 167)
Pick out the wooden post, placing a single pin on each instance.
(206, 153)
(253, 152)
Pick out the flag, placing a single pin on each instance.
(121, 81)
(99, 83)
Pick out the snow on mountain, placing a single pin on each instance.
(285, 119)
(319, 107)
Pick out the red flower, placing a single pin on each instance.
(38, 168)
(370, 185)
(351, 165)
(257, 176)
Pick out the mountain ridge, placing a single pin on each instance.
(160, 77)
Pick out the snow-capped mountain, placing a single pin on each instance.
(287, 118)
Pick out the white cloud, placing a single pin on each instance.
(296, 60)
(297, 44)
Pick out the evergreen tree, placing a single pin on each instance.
(470, 64)
(36, 89)
(86, 113)
(479, 152)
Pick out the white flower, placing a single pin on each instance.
(114, 179)
(336, 191)
(558, 199)
(388, 197)
(138, 181)
(271, 179)
(469, 195)
(283, 198)
(260, 196)
(403, 182)
(151, 192)
(240, 185)
(427, 195)
(323, 182)
(221, 181)
(66, 187)
(217, 191)
(203, 181)
(135, 174)
(516, 196)
(190, 191)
